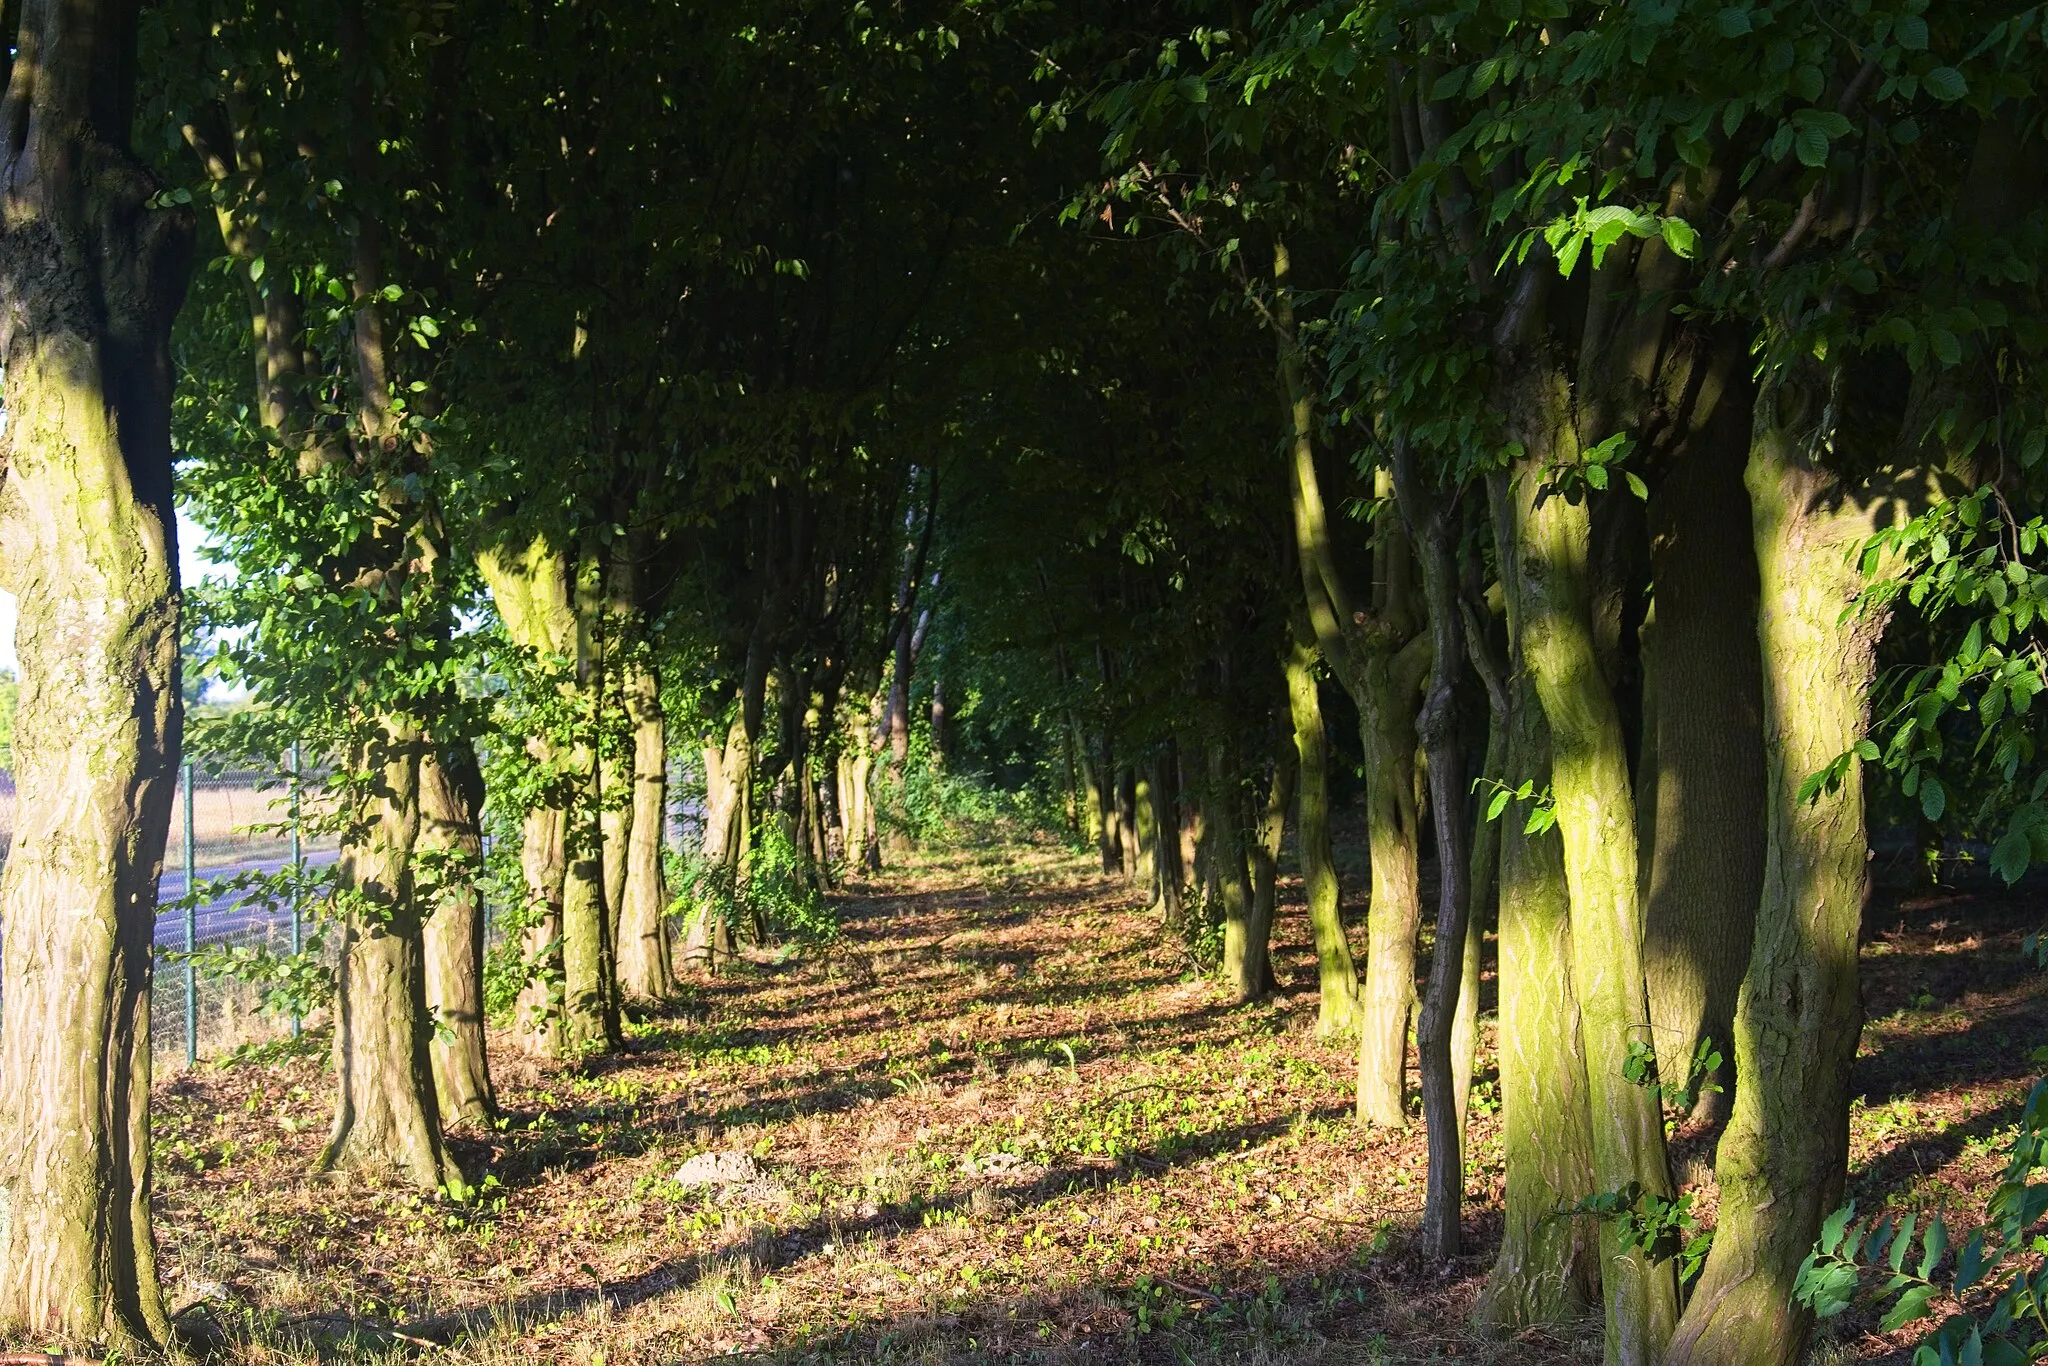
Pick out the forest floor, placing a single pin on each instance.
(1003, 1119)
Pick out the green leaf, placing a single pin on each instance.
(1811, 145)
(1680, 237)
(1910, 1306)
(1834, 1226)
(1933, 1244)
(1911, 31)
(1946, 84)
(1901, 1241)
(1933, 801)
(1732, 22)
(1636, 485)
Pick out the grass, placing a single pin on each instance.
(1002, 1120)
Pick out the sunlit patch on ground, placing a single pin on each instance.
(1003, 1119)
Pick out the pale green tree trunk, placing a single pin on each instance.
(1336, 1012)
(646, 968)
(1379, 658)
(1782, 1159)
(1547, 1268)
(451, 798)
(728, 782)
(89, 283)
(1596, 816)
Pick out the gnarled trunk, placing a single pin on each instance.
(89, 282)
(451, 795)
(386, 1117)
(1782, 1159)
(1596, 816)
(1337, 1007)
(1547, 1269)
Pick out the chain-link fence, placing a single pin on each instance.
(237, 822)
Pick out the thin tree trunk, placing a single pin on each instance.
(1428, 518)
(1169, 875)
(1337, 1008)
(1264, 850)
(1484, 862)
(1781, 1162)
(89, 283)
(386, 1118)
(451, 795)
(1596, 816)
(646, 969)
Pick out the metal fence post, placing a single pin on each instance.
(298, 867)
(191, 930)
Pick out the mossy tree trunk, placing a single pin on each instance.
(1379, 657)
(1702, 791)
(386, 1118)
(89, 282)
(728, 777)
(1782, 1159)
(1596, 817)
(1547, 1269)
(549, 602)
(451, 798)
(1336, 1011)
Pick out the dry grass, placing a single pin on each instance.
(1003, 1121)
(225, 821)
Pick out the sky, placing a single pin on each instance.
(193, 561)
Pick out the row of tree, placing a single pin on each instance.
(1600, 399)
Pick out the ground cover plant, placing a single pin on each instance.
(838, 571)
(1004, 1118)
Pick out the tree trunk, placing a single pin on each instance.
(1394, 915)
(1484, 862)
(1128, 850)
(1596, 816)
(728, 778)
(1377, 662)
(1169, 875)
(451, 795)
(1151, 834)
(1337, 1007)
(89, 283)
(1428, 517)
(1781, 1161)
(1110, 845)
(1264, 849)
(386, 1118)
(1547, 1270)
(646, 970)
(542, 863)
(1703, 757)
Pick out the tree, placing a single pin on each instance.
(92, 269)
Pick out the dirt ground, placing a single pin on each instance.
(1004, 1119)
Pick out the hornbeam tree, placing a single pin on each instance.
(92, 270)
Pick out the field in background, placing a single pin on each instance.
(226, 812)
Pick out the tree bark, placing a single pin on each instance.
(1428, 519)
(89, 282)
(451, 796)
(1781, 1162)
(1596, 816)
(1169, 875)
(1547, 1270)
(1394, 915)
(386, 1118)
(1703, 753)
(728, 784)
(646, 969)
(1337, 1007)
(542, 863)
